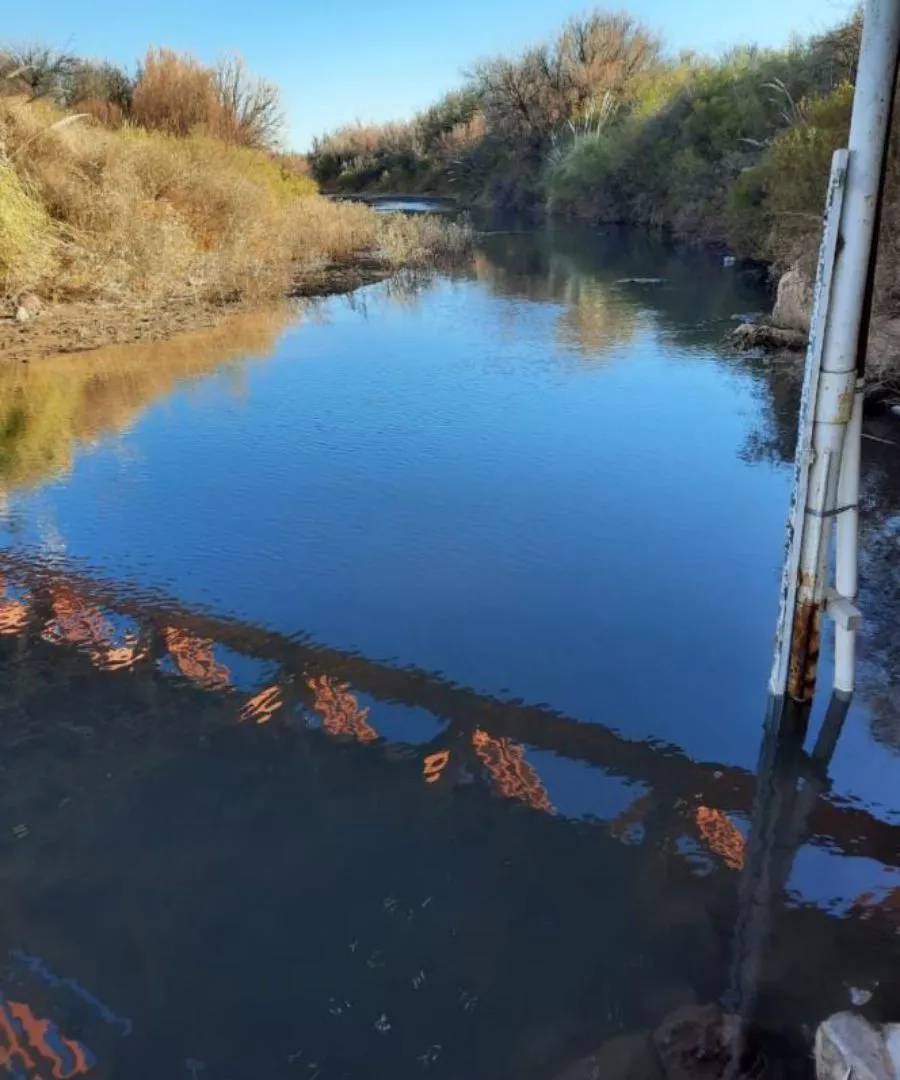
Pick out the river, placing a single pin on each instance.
(384, 681)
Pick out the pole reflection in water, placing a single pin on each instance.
(790, 782)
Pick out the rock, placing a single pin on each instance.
(700, 1042)
(759, 336)
(793, 304)
(627, 1057)
(848, 1045)
(28, 306)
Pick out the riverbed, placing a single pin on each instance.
(384, 683)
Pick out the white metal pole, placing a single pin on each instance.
(846, 545)
(872, 110)
(784, 667)
(840, 325)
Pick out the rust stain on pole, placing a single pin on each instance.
(806, 635)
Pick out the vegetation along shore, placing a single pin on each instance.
(141, 204)
(603, 124)
(135, 207)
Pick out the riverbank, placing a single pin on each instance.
(72, 327)
(732, 150)
(135, 233)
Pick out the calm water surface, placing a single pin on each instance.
(384, 681)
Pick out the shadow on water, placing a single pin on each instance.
(230, 847)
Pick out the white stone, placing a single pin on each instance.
(849, 1046)
(793, 304)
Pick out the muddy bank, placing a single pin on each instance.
(84, 326)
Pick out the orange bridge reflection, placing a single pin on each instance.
(69, 607)
(511, 774)
(35, 1047)
(83, 625)
(339, 709)
(721, 836)
(14, 612)
(195, 660)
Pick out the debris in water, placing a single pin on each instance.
(468, 1001)
(418, 980)
(431, 1055)
(20, 831)
(382, 1024)
(860, 997)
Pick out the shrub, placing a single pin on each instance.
(775, 209)
(174, 94)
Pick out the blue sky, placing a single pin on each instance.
(342, 60)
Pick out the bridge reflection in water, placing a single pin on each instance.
(675, 862)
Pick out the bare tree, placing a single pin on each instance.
(251, 106)
(38, 71)
(100, 81)
(528, 98)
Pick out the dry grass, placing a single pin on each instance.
(132, 214)
(26, 237)
(422, 240)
